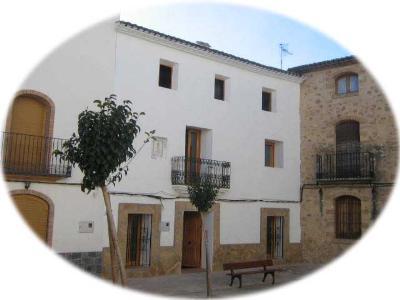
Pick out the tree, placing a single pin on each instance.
(103, 149)
(202, 194)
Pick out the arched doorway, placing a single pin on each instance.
(36, 212)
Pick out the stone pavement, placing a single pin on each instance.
(193, 284)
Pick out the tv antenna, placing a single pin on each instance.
(284, 51)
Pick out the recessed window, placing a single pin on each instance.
(138, 243)
(273, 154)
(347, 84)
(348, 217)
(266, 100)
(275, 237)
(165, 77)
(168, 74)
(269, 154)
(219, 89)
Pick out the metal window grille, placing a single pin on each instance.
(348, 217)
(185, 169)
(275, 225)
(24, 154)
(138, 240)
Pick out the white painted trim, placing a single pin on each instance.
(205, 54)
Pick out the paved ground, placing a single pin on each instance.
(192, 284)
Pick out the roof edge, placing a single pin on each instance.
(336, 62)
(193, 48)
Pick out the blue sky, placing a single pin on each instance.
(242, 31)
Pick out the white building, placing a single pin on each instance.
(248, 138)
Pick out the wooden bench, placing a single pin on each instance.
(260, 266)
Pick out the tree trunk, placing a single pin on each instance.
(208, 272)
(114, 274)
(111, 227)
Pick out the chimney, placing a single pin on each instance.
(203, 44)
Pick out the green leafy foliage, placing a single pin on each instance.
(103, 144)
(202, 193)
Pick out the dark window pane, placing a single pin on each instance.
(165, 77)
(219, 89)
(266, 101)
(347, 136)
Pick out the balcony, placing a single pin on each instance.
(184, 169)
(31, 155)
(345, 166)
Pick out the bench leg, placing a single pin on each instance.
(232, 278)
(265, 276)
(272, 274)
(240, 281)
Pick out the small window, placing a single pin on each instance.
(269, 154)
(348, 217)
(138, 244)
(347, 84)
(165, 77)
(275, 237)
(266, 101)
(219, 89)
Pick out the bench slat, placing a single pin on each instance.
(248, 264)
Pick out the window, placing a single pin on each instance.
(138, 244)
(269, 154)
(266, 101)
(273, 154)
(347, 84)
(219, 89)
(348, 217)
(275, 236)
(165, 77)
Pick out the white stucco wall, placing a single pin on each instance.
(100, 61)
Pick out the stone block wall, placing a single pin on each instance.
(91, 262)
(321, 109)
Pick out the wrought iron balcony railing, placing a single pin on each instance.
(345, 166)
(185, 169)
(31, 155)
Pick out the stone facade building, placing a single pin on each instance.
(348, 155)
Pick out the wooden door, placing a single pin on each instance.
(191, 244)
(26, 145)
(348, 157)
(193, 164)
(35, 211)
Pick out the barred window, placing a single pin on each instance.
(275, 236)
(138, 244)
(348, 217)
